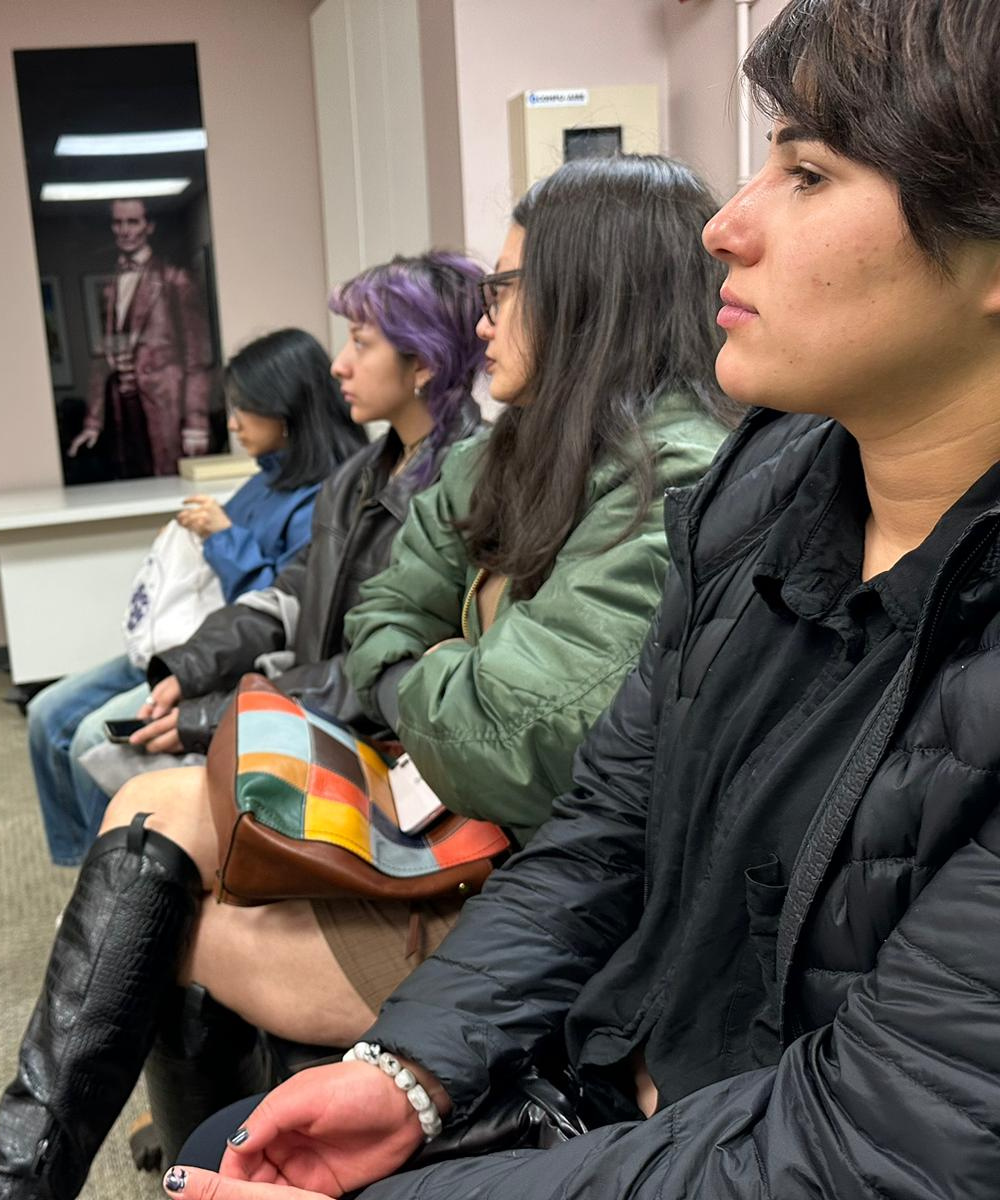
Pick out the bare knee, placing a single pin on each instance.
(135, 797)
(177, 803)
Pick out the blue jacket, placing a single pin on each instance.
(268, 529)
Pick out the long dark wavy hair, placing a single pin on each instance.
(286, 375)
(616, 304)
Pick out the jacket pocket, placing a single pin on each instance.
(751, 1035)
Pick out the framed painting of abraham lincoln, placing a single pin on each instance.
(115, 153)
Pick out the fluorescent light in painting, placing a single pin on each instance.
(164, 141)
(114, 189)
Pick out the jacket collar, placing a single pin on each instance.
(760, 472)
(661, 428)
(812, 556)
(270, 463)
(963, 595)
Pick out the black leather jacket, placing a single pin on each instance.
(358, 513)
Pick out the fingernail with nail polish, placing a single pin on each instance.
(240, 1136)
(175, 1179)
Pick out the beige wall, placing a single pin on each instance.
(503, 49)
(688, 50)
(257, 97)
(703, 97)
(442, 132)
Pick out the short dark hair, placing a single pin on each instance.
(908, 87)
(286, 375)
(618, 302)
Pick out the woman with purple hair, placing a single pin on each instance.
(112, 982)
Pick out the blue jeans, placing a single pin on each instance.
(64, 721)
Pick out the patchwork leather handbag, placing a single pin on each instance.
(304, 810)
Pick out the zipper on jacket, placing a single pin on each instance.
(367, 480)
(481, 575)
(469, 597)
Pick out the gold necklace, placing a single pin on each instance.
(408, 452)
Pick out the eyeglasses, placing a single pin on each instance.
(490, 289)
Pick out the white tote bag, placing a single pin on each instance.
(172, 594)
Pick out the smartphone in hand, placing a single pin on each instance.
(121, 731)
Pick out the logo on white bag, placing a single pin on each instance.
(138, 606)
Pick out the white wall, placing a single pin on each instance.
(370, 117)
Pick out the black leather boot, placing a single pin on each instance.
(115, 957)
(204, 1058)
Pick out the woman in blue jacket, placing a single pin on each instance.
(287, 413)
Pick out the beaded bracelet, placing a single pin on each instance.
(405, 1080)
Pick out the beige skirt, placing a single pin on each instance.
(369, 939)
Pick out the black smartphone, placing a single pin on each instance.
(121, 731)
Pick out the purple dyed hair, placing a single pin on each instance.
(426, 306)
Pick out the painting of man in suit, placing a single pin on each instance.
(149, 393)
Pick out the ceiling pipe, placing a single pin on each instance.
(744, 168)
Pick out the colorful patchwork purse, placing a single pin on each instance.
(303, 809)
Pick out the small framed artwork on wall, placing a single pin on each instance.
(97, 294)
(60, 362)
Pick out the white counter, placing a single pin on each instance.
(67, 559)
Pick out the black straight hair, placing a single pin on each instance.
(617, 303)
(285, 375)
(910, 88)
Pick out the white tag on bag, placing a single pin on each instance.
(416, 805)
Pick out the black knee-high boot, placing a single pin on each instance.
(115, 957)
(204, 1058)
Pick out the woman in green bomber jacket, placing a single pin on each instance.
(521, 586)
(493, 716)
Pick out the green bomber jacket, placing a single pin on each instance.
(492, 721)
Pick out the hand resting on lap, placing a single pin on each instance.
(324, 1132)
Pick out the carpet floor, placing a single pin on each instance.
(32, 894)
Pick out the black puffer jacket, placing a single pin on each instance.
(358, 513)
(881, 956)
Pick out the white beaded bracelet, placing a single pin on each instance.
(405, 1080)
